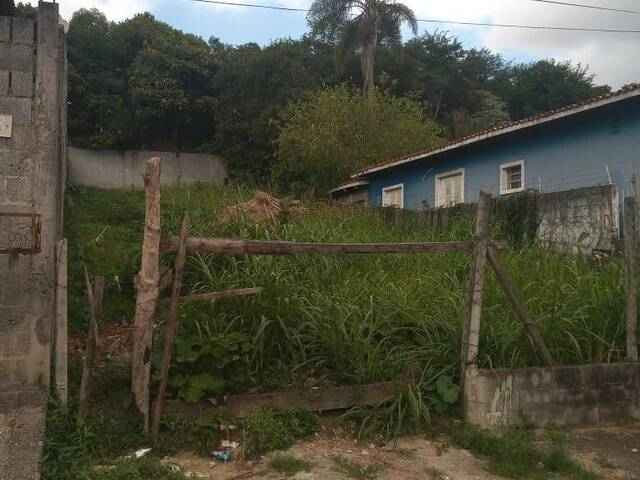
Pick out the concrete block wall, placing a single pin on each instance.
(583, 219)
(125, 169)
(33, 95)
(572, 395)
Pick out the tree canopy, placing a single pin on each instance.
(335, 131)
(141, 83)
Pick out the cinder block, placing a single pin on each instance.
(18, 191)
(17, 58)
(4, 82)
(568, 377)
(5, 31)
(592, 375)
(23, 31)
(14, 163)
(22, 84)
(19, 108)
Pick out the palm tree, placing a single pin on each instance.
(361, 23)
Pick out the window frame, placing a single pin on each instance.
(440, 176)
(503, 183)
(394, 187)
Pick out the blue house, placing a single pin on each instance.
(595, 142)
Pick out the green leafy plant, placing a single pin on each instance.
(443, 393)
(209, 363)
(267, 430)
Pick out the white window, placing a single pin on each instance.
(393, 196)
(512, 177)
(450, 188)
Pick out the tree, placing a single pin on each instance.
(374, 22)
(7, 7)
(335, 131)
(537, 87)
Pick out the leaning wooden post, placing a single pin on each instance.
(170, 327)
(148, 292)
(519, 306)
(94, 296)
(631, 258)
(60, 350)
(471, 329)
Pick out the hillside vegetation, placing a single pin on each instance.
(337, 319)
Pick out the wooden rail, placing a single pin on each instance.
(324, 399)
(261, 247)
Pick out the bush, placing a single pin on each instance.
(335, 131)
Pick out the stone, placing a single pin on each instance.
(22, 84)
(22, 31)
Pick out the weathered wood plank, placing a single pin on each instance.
(94, 296)
(171, 327)
(326, 399)
(520, 308)
(631, 258)
(260, 247)
(148, 292)
(471, 331)
(60, 346)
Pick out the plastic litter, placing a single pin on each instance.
(224, 456)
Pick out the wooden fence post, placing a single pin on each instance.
(519, 306)
(148, 292)
(170, 327)
(94, 296)
(471, 328)
(630, 251)
(60, 346)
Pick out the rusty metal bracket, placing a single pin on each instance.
(19, 233)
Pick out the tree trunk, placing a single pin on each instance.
(368, 59)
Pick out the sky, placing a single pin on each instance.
(613, 58)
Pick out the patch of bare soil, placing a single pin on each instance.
(613, 452)
(21, 441)
(411, 458)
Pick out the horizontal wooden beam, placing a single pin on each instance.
(261, 247)
(206, 297)
(323, 399)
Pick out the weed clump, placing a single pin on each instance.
(355, 470)
(516, 454)
(289, 466)
(268, 430)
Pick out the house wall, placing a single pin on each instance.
(125, 169)
(565, 154)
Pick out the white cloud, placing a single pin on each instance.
(612, 57)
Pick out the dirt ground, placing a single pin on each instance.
(410, 459)
(611, 452)
(21, 440)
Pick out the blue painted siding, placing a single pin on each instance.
(561, 155)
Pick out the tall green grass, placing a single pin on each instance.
(348, 319)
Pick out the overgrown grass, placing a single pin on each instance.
(339, 319)
(349, 319)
